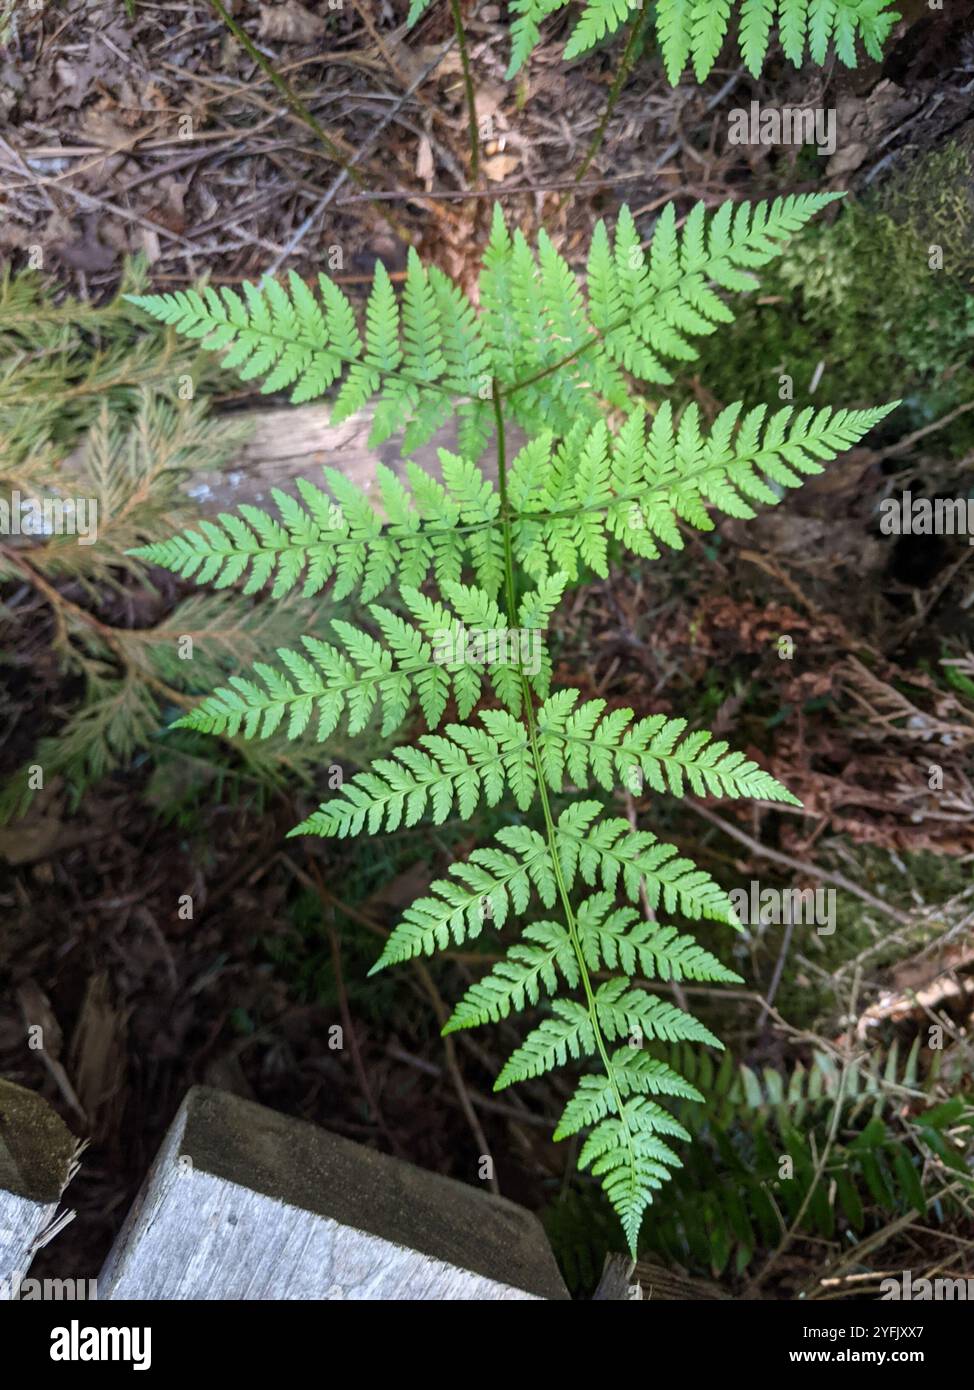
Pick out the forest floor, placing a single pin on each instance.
(156, 134)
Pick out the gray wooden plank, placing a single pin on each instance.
(624, 1281)
(37, 1152)
(293, 442)
(244, 1203)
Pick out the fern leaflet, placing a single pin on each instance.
(695, 30)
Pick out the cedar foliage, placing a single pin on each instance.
(94, 408)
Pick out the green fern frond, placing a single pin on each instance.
(646, 309)
(696, 29)
(422, 357)
(569, 500)
(531, 967)
(611, 749)
(623, 1148)
(485, 888)
(467, 764)
(633, 1164)
(307, 343)
(632, 1072)
(621, 1012)
(757, 17)
(638, 486)
(619, 938)
(609, 852)
(429, 527)
(432, 658)
(457, 770)
(555, 358)
(599, 18)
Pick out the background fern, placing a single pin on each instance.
(694, 31)
(731, 1200)
(899, 1147)
(558, 359)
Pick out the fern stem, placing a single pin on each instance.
(550, 833)
(469, 89)
(597, 337)
(625, 67)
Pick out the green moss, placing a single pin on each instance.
(934, 198)
(859, 297)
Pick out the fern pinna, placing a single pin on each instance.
(471, 572)
(693, 31)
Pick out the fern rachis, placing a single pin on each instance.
(457, 554)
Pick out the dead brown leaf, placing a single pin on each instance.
(425, 167)
(500, 167)
(290, 23)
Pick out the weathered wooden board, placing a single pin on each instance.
(297, 441)
(243, 1203)
(37, 1153)
(623, 1281)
